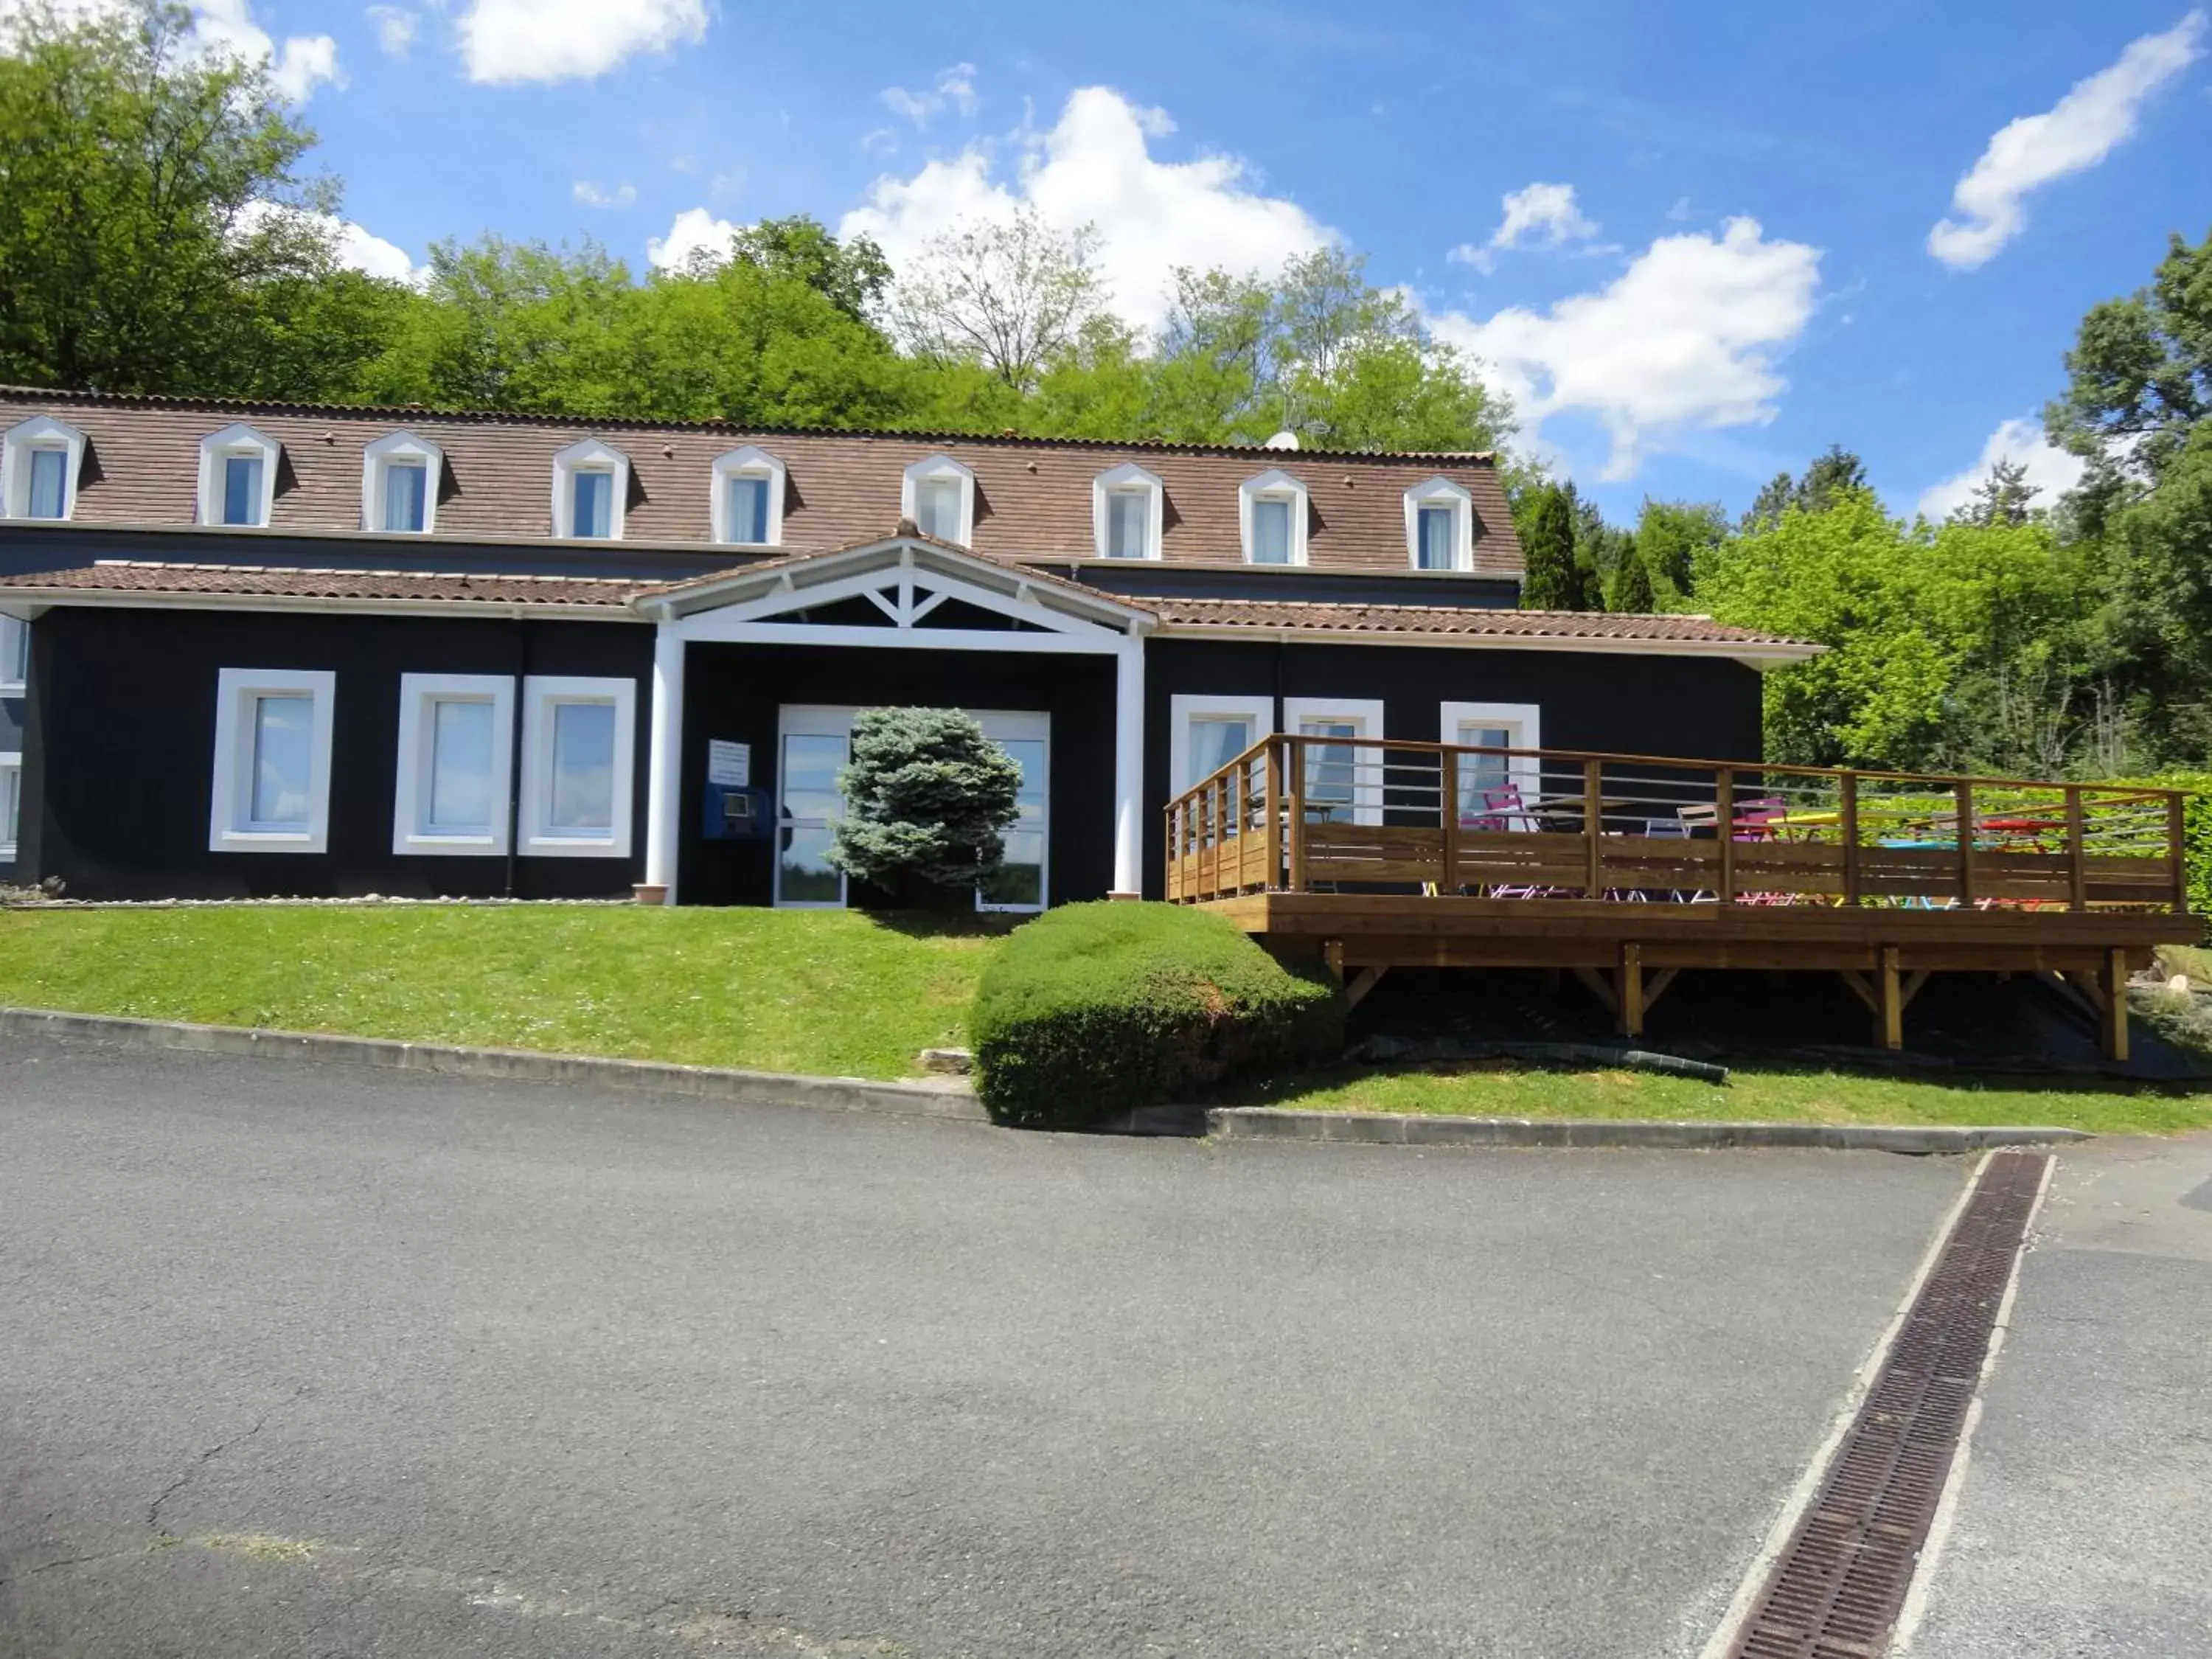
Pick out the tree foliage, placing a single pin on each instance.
(156, 232)
(927, 797)
(1553, 581)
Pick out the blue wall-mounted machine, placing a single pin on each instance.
(735, 813)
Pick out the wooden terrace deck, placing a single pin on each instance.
(1377, 855)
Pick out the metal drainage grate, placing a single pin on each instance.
(1835, 1589)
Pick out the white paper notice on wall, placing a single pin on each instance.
(729, 765)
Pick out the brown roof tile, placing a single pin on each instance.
(1033, 494)
(256, 581)
(1471, 621)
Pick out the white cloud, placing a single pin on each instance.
(694, 230)
(395, 28)
(2050, 471)
(1539, 215)
(298, 67)
(955, 86)
(2076, 133)
(1685, 338)
(359, 249)
(589, 194)
(1095, 168)
(504, 41)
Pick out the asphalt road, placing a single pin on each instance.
(306, 1360)
(2083, 1523)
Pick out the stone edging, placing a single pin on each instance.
(944, 1097)
(1417, 1129)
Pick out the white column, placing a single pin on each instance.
(1129, 768)
(664, 806)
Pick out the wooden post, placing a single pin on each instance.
(1966, 839)
(1848, 822)
(2115, 1009)
(1294, 826)
(1890, 1015)
(2176, 865)
(1592, 827)
(2077, 862)
(1724, 820)
(1628, 997)
(1448, 779)
(1213, 823)
(1174, 872)
(1274, 820)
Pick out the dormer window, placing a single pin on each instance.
(590, 483)
(399, 478)
(940, 495)
(1439, 526)
(39, 463)
(1127, 506)
(746, 508)
(1271, 509)
(238, 478)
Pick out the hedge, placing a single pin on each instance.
(1096, 1009)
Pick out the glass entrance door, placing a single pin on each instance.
(815, 743)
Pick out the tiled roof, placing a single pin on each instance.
(1472, 622)
(1032, 494)
(266, 582)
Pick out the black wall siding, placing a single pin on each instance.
(1696, 707)
(734, 692)
(120, 762)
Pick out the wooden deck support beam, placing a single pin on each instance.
(1361, 983)
(2115, 1011)
(1591, 981)
(1629, 998)
(1889, 1013)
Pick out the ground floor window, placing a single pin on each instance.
(14, 656)
(11, 805)
(1205, 732)
(272, 788)
(1344, 777)
(453, 794)
(1493, 788)
(578, 743)
(813, 746)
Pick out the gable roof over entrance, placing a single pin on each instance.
(906, 576)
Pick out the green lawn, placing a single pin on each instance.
(1481, 1088)
(829, 991)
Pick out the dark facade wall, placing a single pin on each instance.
(120, 760)
(1693, 708)
(733, 692)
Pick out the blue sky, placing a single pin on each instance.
(1694, 240)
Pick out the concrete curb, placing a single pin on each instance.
(1414, 1129)
(939, 1098)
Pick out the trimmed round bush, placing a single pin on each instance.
(1096, 1009)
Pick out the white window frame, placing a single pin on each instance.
(229, 828)
(1127, 479)
(590, 455)
(215, 448)
(541, 694)
(1524, 720)
(940, 466)
(746, 463)
(405, 448)
(1366, 714)
(14, 656)
(26, 439)
(10, 763)
(1441, 491)
(1184, 707)
(1274, 485)
(419, 697)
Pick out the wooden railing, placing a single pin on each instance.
(1300, 814)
